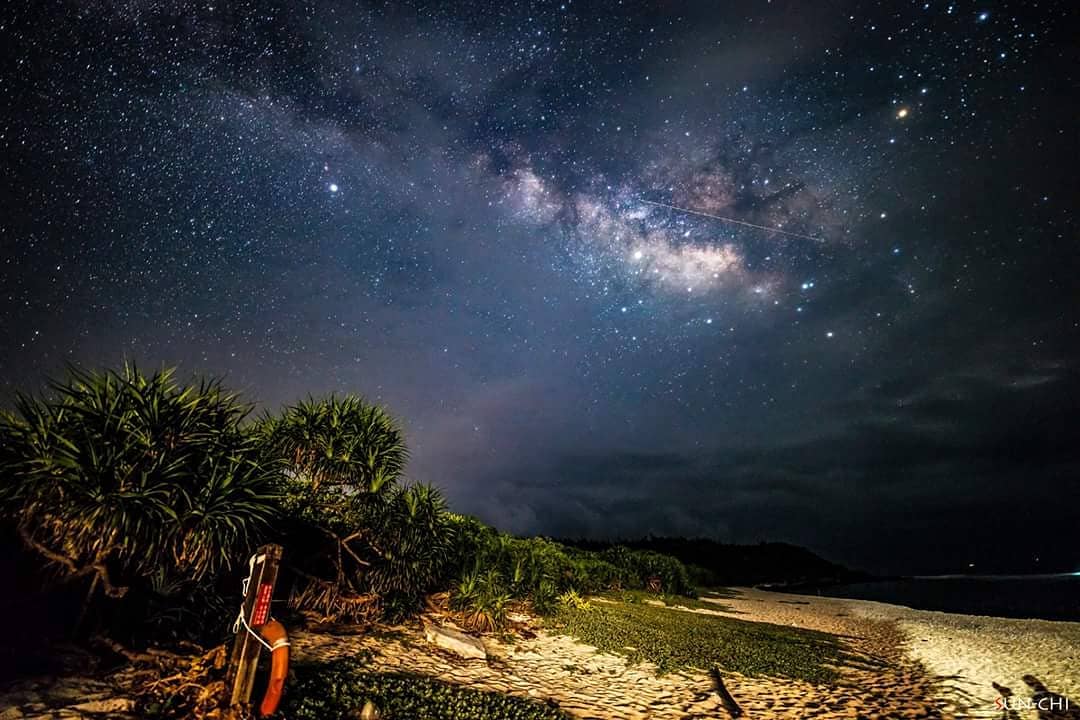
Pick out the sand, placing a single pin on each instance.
(963, 654)
(904, 663)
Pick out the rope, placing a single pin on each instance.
(242, 621)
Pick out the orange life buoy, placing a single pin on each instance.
(275, 636)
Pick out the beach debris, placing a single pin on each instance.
(455, 641)
(725, 697)
(107, 706)
(369, 712)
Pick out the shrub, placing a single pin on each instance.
(642, 565)
(481, 598)
(361, 544)
(540, 569)
(413, 538)
(572, 600)
(122, 477)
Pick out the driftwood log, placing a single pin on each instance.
(725, 697)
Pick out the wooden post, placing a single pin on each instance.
(240, 676)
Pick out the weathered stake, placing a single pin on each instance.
(725, 697)
(240, 676)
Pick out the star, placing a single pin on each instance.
(496, 205)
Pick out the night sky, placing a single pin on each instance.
(452, 210)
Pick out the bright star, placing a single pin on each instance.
(333, 187)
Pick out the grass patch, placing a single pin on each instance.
(674, 640)
(339, 689)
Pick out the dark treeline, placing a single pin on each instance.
(712, 563)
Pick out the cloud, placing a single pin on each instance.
(886, 454)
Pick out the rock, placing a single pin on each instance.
(369, 712)
(111, 705)
(12, 713)
(455, 641)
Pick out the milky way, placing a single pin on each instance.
(469, 214)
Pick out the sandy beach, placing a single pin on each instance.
(911, 664)
(963, 654)
(902, 663)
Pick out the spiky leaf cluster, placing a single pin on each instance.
(118, 474)
(365, 543)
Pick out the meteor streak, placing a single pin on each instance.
(733, 220)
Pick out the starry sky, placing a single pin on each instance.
(748, 270)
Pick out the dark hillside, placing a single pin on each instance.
(714, 563)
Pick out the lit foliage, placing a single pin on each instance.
(122, 476)
(339, 690)
(413, 544)
(481, 597)
(338, 444)
(496, 567)
(362, 544)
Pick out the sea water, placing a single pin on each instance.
(1048, 597)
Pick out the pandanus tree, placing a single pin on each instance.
(414, 538)
(120, 477)
(359, 541)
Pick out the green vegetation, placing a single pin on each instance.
(153, 493)
(338, 690)
(145, 487)
(137, 482)
(496, 568)
(676, 639)
(361, 544)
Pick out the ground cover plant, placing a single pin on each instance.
(675, 639)
(339, 690)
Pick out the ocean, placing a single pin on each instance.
(1048, 597)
